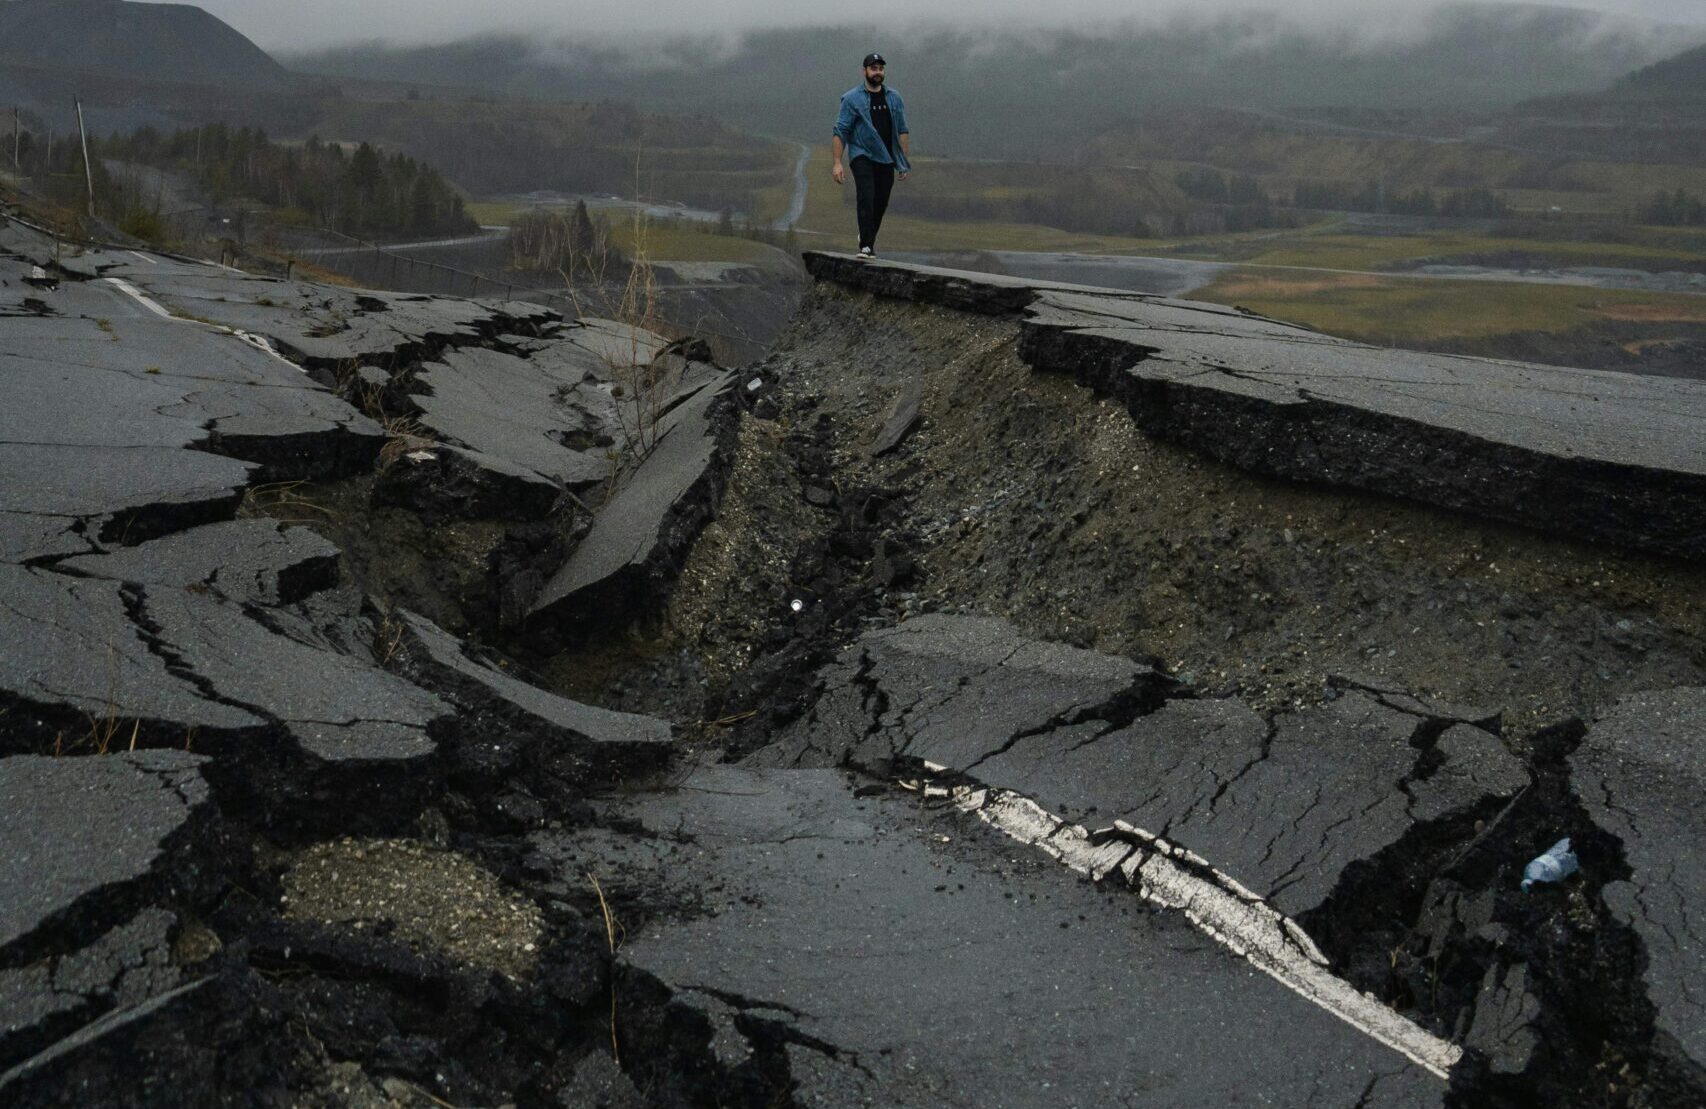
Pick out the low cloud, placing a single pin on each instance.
(309, 24)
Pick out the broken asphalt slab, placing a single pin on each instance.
(1609, 457)
(260, 561)
(1284, 808)
(100, 854)
(551, 420)
(145, 622)
(496, 710)
(624, 568)
(120, 431)
(1641, 774)
(133, 818)
(908, 956)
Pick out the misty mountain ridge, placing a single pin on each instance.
(1680, 78)
(176, 44)
(1007, 92)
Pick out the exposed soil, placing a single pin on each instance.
(1024, 496)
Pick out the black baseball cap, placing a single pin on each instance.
(874, 59)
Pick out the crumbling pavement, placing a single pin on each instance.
(198, 702)
(296, 818)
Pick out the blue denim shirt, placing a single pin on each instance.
(859, 135)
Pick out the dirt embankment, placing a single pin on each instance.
(1023, 495)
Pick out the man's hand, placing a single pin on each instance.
(903, 176)
(838, 172)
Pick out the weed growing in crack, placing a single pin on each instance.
(280, 500)
(633, 373)
(610, 929)
(345, 376)
(388, 639)
(404, 434)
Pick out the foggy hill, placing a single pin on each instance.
(1000, 93)
(176, 44)
(1680, 78)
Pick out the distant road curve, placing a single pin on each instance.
(796, 206)
(486, 235)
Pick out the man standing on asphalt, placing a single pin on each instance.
(871, 131)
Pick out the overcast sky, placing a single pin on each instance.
(313, 23)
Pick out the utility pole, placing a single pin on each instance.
(14, 138)
(88, 170)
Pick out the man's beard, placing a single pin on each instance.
(877, 80)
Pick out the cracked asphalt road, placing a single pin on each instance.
(914, 957)
(982, 857)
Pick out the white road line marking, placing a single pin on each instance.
(135, 294)
(145, 258)
(1234, 916)
(259, 342)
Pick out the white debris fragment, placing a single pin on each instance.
(796, 604)
(420, 456)
(755, 385)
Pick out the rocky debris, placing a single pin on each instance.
(423, 897)
(624, 567)
(1639, 773)
(845, 934)
(600, 1084)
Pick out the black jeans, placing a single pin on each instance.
(873, 181)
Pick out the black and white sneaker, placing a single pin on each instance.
(866, 254)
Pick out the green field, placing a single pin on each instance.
(829, 213)
(1411, 311)
(1364, 252)
(664, 241)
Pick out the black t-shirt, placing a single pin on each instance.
(880, 116)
